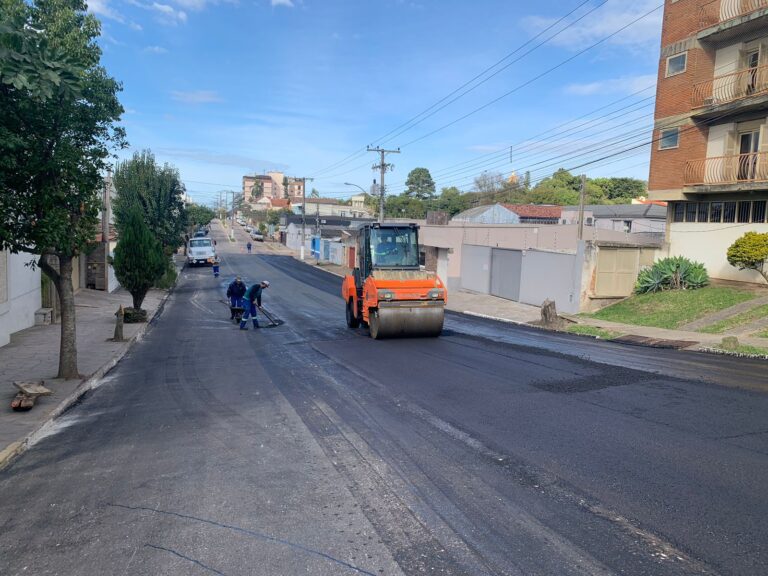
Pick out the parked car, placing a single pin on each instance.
(249, 229)
(201, 251)
(257, 236)
(200, 234)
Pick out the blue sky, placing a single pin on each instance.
(223, 88)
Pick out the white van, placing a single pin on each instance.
(200, 251)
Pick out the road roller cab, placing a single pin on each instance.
(388, 290)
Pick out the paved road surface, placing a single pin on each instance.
(312, 449)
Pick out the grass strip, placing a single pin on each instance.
(595, 331)
(673, 308)
(737, 320)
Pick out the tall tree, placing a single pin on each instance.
(56, 133)
(453, 201)
(489, 183)
(621, 190)
(419, 184)
(285, 187)
(198, 215)
(157, 191)
(139, 260)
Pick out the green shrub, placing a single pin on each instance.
(676, 273)
(750, 252)
(168, 279)
(139, 260)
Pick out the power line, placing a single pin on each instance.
(478, 161)
(358, 153)
(405, 127)
(530, 81)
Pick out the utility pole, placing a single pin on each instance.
(105, 213)
(303, 214)
(232, 218)
(582, 194)
(383, 167)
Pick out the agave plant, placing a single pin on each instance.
(674, 273)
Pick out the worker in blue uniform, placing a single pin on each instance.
(251, 301)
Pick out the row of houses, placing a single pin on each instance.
(494, 250)
(28, 297)
(315, 207)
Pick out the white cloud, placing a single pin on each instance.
(155, 50)
(102, 8)
(111, 39)
(623, 85)
(286, 3)
(196, 96)
(169, 14)
(166, 14)
(192, 4)
(605, 21)
(210, 157)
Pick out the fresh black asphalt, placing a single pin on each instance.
(309, 448)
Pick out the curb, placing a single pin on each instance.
(318, 267)
(14, 449)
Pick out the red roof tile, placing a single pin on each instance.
(535, 210)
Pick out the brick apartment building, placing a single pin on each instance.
(271, 185)
(710, 153)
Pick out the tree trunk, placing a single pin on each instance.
(138, 296)
(62, 279)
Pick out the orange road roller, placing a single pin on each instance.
(388, 290)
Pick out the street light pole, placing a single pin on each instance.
(356, 186)
(303, 214)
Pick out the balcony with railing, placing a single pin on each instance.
(731, 87)
(728, 170)
(721, 20)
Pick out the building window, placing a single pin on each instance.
(758, 211)
(729, 212)
(676, 64)
(716, 212)
(690, 211)
(703, 209)
(670, 138)
(743, 215)
(679, 212)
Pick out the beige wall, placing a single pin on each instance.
(708, 243)
(331, 210)
(563, 238)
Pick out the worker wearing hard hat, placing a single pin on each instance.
(252, 300)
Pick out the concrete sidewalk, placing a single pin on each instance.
(487, 306)
(33, 354)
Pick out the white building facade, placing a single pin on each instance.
(20, 294)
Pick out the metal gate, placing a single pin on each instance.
(476, 268)
(506, 267)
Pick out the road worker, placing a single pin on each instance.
(235, 293)
(251, 301)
